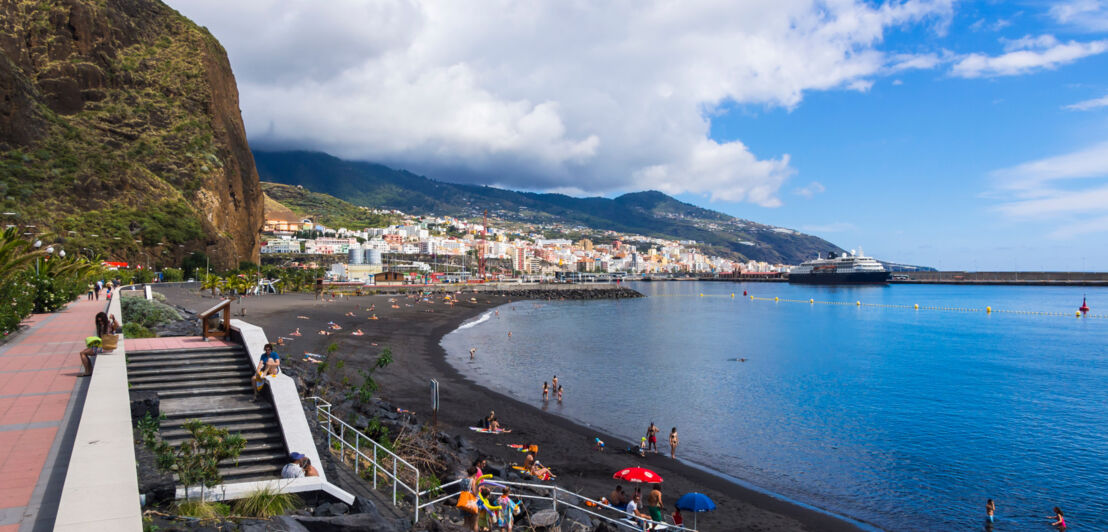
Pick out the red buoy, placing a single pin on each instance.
(744, 292)
(1084, 306)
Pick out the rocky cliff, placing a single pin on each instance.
(120, 133)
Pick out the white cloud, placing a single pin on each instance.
(1026, 55)
(813, 188)
(1064, 190)
(1086, 14)
(600, 97)
(1088, 104)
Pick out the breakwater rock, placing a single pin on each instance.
(589, 293)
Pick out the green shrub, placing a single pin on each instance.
(266, 502)
(134, 330)
(173, 275)
(147, 313)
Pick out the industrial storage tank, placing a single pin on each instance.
(356, 255)
(373, 257)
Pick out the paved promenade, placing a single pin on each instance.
(39, 392)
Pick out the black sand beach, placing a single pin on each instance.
(413, 332)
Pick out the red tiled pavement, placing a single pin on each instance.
(173, 342)
(38, 375)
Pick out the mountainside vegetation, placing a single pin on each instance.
(300, 203)
(647, 213)
(120, 133)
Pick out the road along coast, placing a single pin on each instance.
(413, 330)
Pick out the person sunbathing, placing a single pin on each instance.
(350, 314)
(373, 317)
(357, 332)
(536, 469)
(324, 333)
(296, 332)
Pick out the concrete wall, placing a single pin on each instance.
(101, 486)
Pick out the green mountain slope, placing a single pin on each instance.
(648, 213)
(120, 133)
(323, 208)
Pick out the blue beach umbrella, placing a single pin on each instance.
(696, 503)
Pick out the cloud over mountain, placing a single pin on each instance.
(593, 97)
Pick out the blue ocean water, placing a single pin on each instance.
(905, 419)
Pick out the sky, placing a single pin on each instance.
(959, 135)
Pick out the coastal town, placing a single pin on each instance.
(450, 249)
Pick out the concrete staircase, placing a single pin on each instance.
(213, 385)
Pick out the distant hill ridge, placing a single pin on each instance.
(648, 213)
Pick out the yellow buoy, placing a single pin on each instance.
(811, 300)
(777, 299)
(989, 310)
(858, 303)
(732, 295)
(1077, 313)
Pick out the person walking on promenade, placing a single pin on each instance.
(652, 437)
(1059, 519)
(673, 443)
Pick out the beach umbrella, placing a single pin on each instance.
(696, 503)
(637, 474)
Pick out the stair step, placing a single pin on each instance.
(189, 378)
(262, 458)
(186, 385)
(213, 349)
(249, 408)
(238, 474)
(189, 368)
(219, 390)
(170, 434)
(221, 419)
(248, 436)
(184, 355)
(175, 363)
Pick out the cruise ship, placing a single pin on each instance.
(840, 269)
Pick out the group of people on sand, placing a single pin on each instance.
(483, 511)
(632, 503)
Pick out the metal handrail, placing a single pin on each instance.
(323, 413)
(554, 490)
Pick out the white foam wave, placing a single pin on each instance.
(484, 317)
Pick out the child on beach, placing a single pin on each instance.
(673, 443)
(508, 509)
(642, 447)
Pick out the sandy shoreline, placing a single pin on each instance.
(414, 331)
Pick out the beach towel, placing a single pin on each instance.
(490, 431)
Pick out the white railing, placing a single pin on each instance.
(567, 500)
(348, 437)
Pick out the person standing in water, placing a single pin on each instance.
(1059, 519)
(472, 351)
(559, 393)
(990, 509)
(545, 392)
(673, 444)
(554, 383)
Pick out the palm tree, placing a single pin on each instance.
(15, 253)
(212, 282)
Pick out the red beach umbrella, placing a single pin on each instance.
(638, 474)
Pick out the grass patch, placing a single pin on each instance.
(267, 502)
(203, 509)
